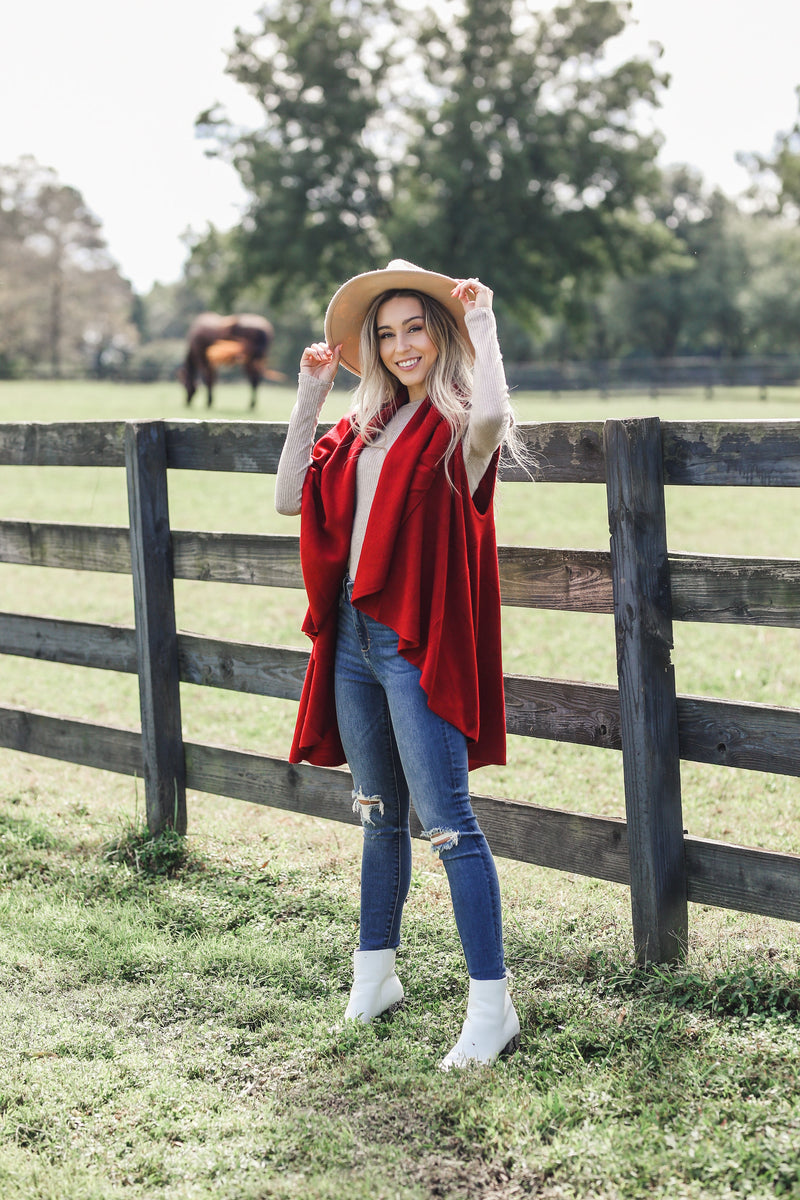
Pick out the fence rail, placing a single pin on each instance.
(643, 583)
(657, 374)
(739, 453)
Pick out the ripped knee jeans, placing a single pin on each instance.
(399, 753)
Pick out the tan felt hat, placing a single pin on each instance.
(348, 308)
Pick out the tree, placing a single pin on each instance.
(316, 180)
(776, 177)
(692, 303)
(62, 299)
(528, 166)
(492, 143)
(769, 298)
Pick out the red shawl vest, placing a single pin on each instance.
(428, 570)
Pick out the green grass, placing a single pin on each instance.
(175, 1030)
(171, 1018)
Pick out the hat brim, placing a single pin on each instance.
(348, 308)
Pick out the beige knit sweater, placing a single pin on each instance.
(489, 416)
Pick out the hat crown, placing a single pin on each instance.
(402, 264)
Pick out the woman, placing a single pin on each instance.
(399, 560)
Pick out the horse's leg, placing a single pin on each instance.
(188, 378)
(209, 377)
(253, 371)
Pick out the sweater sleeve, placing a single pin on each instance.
(296, 454)
(490, 412)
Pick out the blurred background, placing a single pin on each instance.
(626, 177)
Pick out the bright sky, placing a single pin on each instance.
(107, 95)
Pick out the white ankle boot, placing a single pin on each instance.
(491, 1027)
(376, 988)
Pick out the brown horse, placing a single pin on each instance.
(215, 340)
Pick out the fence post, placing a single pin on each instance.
(648, 710)
(156, 637)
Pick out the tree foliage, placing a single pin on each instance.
(776, 176)
(528, 168)
(691, 300)
(728, 289)
(481, 139)
(315, 178)
(63, 302)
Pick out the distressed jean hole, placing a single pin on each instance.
(366, 805)
(442, 839)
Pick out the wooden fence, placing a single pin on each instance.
(639, 580)
(657, 375)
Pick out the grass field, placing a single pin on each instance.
(172, 1015)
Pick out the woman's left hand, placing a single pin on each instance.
(473, 294)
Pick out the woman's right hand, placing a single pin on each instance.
(320, 361)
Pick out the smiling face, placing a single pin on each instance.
(405, 348)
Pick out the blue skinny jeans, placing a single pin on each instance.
(397, 749)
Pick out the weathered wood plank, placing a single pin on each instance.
(554, 838)
(89, 745)
(732, 452)
(573, 580)
(156, 635)
(740, 453)
(725, 876)
(699, 452)
(77, 643)
(576, 580)
(751, 737)
(247, 446)
(62, 444)
(735, 591)
(563, 711)
(713, 588)
(745, 879)
(648, 710)
(242, 667)
(261, 779)
(271, 560)
(261, 670)
(559, 452)
(75, 547)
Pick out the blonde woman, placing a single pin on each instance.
(400, 564)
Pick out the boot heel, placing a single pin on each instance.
(397, 1007)
(510, 1047)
